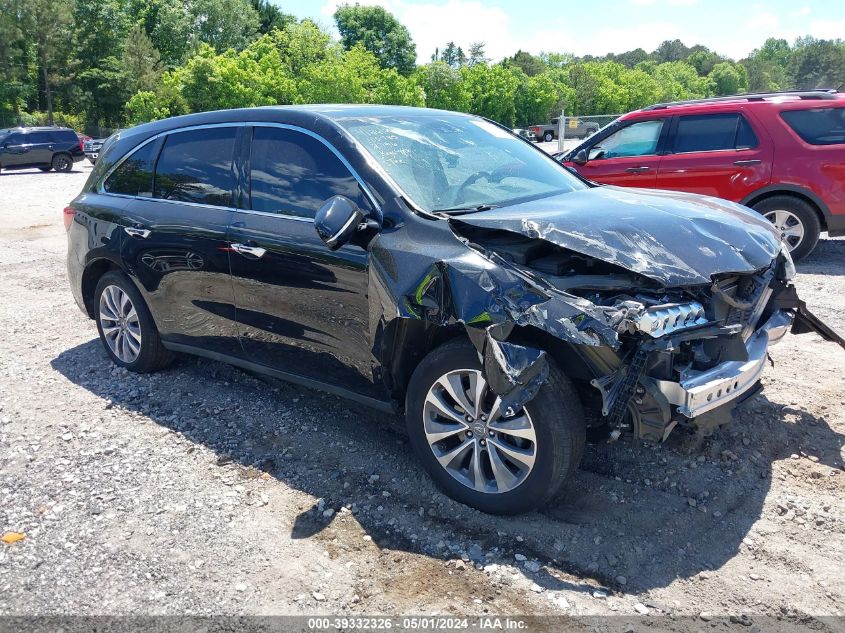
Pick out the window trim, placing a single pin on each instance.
(235, 183)
(289, 216)
(364, 187)
(799, 136)
(662, 137)
(673, 135)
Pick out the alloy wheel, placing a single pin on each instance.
(481, 446)
(789, 226)
(120, 324)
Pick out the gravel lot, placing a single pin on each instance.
(207, 490)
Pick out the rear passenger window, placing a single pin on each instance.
(196, 166)
(819, 126)
(134, 177)
(713, 132)
(40, 137)
(293, 173)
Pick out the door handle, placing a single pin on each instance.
(637, 170)
(747, 163)
(136, 232)
(244, 249)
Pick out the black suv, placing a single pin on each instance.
(43, 147)
(434, 264)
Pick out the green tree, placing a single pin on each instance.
(270, 16)
(729, 78)
(671, 51)
(477, 54)
(492, 92)
(141, 61)
(14, 59)
(452, 55)
(528, 63)
(443, 87)
(817, 64)
(378, 32)
(631, 58)
(535, 98)
(704, 60)
(224, 24)
(303, 44)
(171, 31)
(47, 25)
(678, 81)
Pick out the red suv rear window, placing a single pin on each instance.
(819, 126)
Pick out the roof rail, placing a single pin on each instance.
(820, 93)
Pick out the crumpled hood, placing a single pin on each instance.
(674, 238)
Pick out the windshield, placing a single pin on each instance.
(448, 162)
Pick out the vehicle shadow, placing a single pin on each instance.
(650, 513)
(828, 258)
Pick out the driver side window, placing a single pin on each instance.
(638, 139)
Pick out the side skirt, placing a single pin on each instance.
(380, 405)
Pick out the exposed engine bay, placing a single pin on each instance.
(670, 356)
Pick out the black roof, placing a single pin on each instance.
(307, 116)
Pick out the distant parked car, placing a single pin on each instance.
(526, 134)
(575, 128)
(43, 147)
(92, 148)
(778, 153)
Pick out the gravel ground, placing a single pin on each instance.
(207, 490)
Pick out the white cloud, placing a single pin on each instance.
(565, 37)
(802, 12)
(827, 29)
(682, 3)
(764, 21)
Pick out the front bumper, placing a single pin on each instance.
(698, 392)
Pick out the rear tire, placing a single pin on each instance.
(62, 163)
(126, 327)
(792, 216)
(548, 137)
(554, 416)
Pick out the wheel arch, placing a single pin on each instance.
(795, 191)
(404, 343)
(94, 270)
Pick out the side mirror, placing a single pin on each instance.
(337, 221)
(580, 157)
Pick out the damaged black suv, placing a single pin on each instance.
(434, 264)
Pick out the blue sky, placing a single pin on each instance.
(732, 28)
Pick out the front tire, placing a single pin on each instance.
(496, 463)
(126, 327)
(796, 221)
(62, 163)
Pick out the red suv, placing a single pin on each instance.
(782, 154)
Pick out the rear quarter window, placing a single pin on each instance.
(818, 126)
(66, 136)
(196, 166)
(134, 176)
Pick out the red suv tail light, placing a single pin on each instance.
(68, 215)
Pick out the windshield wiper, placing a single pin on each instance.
(462, 210)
